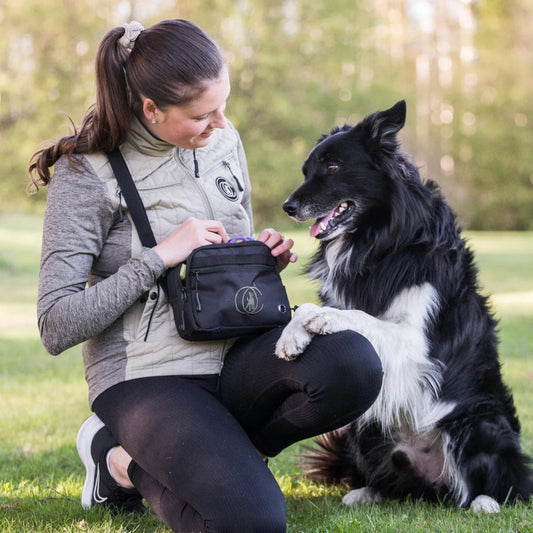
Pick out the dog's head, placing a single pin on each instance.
(346, 174)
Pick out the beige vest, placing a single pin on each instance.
(171, 192)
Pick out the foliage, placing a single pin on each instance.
(43, 401)
(497, 161)
(299, 67)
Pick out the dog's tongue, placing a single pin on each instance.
(321, 223)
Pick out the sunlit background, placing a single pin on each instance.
(298, 67)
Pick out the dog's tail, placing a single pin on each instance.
(331, 462)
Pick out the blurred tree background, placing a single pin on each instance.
(298, 67)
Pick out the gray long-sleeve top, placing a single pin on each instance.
(97, 283)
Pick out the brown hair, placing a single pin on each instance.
(170, 63)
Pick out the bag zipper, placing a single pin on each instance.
(196, 292)
(183, 299)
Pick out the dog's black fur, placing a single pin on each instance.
(396, 232)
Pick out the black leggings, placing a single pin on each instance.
(194, 439)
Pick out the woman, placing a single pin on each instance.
(186, 425)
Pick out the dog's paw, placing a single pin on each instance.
(295, 338)
(325, 322)
(292, 343)
(485, 505)
(363, 496)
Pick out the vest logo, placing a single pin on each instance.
(248, 300)
(226, 189)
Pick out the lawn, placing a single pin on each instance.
(43, 400)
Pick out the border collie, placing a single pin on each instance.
(393, 266)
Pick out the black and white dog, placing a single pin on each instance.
(393, 266)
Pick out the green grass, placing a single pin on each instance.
(43, 400)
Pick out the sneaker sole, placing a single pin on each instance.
(83, 444)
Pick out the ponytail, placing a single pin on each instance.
(106, 124)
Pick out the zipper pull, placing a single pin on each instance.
(198, 303)
(226, 163)
(182, 322)
(120, 213)
(196, 170)
(182, 318)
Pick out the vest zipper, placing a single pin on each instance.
(195, 175)
(226, 163)
(152, 313)
(196, 170)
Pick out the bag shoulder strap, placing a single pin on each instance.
(134, 203)
(132, 198)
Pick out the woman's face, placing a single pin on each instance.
(191, 125)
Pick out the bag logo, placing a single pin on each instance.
(247, 300)
(226, 189)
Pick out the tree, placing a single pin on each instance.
(498, 130)
(299, 67)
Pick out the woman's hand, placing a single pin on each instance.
(281, 248)
(192, 233)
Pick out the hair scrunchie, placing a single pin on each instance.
(131, 32)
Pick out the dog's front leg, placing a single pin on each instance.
(310, 320)
(411, 379)
(330, 320)
(399, 329)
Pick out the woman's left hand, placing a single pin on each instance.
(281, 248)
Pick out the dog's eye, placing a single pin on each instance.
(332, 168)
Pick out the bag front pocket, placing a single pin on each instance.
(252, 296)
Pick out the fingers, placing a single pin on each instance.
(270, 237)
(215, 232)
(292, 257)
(286, 258)
(281, 247)
(205, 231)
(275, 241)
(190, 235)
(214, 227)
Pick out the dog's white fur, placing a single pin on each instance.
(408, 402)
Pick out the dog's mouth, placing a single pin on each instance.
(328, 223)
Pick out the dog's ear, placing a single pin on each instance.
(381, 127)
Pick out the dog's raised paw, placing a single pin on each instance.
(362, 496)
(292, 343)
(295, 338)
(323, 323)
(485, 505)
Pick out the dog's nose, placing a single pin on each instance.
(290, 207)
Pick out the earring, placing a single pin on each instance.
(154, 121)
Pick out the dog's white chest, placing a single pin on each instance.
(411, 384)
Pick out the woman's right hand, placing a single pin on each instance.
(183, 240)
